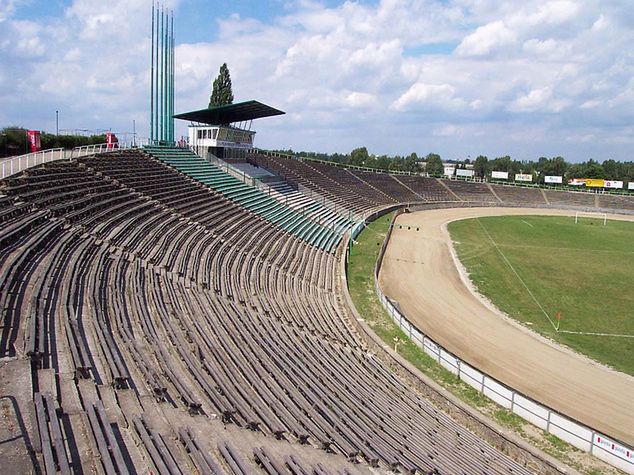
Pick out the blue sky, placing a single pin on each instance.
(456, 77)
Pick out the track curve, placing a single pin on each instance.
(436, 299)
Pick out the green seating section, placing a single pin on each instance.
(247, 196)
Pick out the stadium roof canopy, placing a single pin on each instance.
(229, 113)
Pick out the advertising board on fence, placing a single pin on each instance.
(523, 177)
(465, 173)
(595, 182)
(554, 179)
(613, 184)
(500, 175)
(630, 185)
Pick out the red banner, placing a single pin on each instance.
(111, 140)
(33, 137)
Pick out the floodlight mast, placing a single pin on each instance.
(162, 75)
(171, 88)
(152, 80)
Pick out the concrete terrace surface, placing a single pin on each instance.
(420, 273)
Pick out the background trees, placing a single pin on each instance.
(481, 166)
(433, 164)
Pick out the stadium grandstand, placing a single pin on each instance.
(181, 309)
(165, 310)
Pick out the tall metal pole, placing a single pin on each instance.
(56, 122)
(156, 75)
(171, 117)
(162, 80)
(169, 79)
(165, 78)
(159, 98)
(152, 82)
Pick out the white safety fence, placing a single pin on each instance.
(104, 147)
(15, 165)
(576, 434)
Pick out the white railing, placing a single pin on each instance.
(573, 432)
(14, 165)
(104, 147)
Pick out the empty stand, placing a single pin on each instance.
(171, 317)
(247, 196)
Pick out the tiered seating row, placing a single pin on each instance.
(515, 194)
(304, 173)
(283, 192)
(470, 191)
(247, 196)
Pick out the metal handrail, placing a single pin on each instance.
(22, 162)
(17, 164)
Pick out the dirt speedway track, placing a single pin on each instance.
(419, 272)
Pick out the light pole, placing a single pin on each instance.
(133, 133)
(56, 122)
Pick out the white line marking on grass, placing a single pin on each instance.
(517, 275)
(596, 334)
(528, 223)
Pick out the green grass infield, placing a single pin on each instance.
(573, 283)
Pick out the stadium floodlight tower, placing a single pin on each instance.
(225, 131)
(162, 77)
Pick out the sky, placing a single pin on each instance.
(455, 77)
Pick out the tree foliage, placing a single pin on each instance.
(434, 164)
(482, 165)
(221, 93)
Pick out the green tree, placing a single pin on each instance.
(411, 163)
(576, 170)
(612, 169)
(481, 166)
(502, 164)
(13, 141)
(359, 156)
(221, 93)
(434, 164)
(397, 163)
(383, 162)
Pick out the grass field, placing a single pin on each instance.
(532, 267)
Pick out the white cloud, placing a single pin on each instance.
(532, 101)
(552, 13)
(359, 99)
(432, 95)
(547, 49)
(601, 23)
(486, 39)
